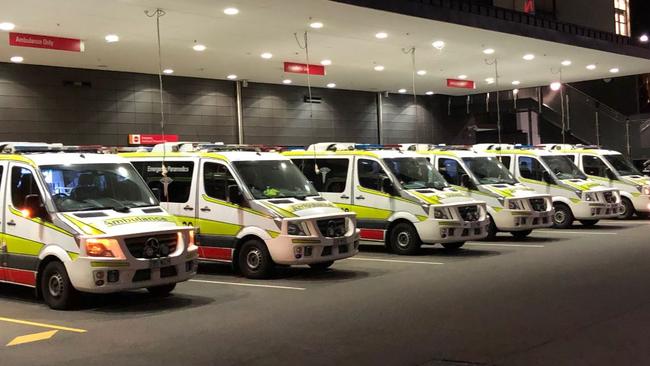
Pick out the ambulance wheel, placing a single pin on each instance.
(254, 260)
(521, 234)
(56, 288)
(321, 266)
(404, 239)
(563, 217)
(588, 223)
(453, 246)
(162, 290)
(491, 229)
(628, 209)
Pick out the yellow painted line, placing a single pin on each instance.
(42, 325)
(29, 338)
(390, 260)
(250, 285)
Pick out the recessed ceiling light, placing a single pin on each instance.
(438, 44)
(614, 70)
(402, 91)
(331, 85)
(381, 35)
(462, 77)
(199, 47)
(110, 38)
(266, 55)
(556, 85)
(6, 26)
(232, 76)
(566, 63)
(231, 11)
(429, 93)
(286, 81)
(316, 25)
(422, 72)
(515, 91)
(591, 67)
(488, 51)
(326, 62)
(489, 80)
(168, 71)
(16, 59)
(516, 82)
(379, 68)
(644, 38)
(529, 57)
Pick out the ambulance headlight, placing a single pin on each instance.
(441, 213)
(298, 229)
(579, 194)
(108, 248)
(590, 197)
(515, 205)
(645, 191)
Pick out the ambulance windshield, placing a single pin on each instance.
(416, 173)
(274, 179)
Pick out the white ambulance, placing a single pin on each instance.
(251, 208)
(575, 196)
(512, 207)
(398, 197)
(614, 170)
(74, 220)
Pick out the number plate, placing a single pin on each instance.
(162, 262)
(339, 241)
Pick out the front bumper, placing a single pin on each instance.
(641, 203)
(434, 231)
(296, 250)
(520, 220)
(596, 210)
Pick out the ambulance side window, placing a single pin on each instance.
(332, 174)
(593, 165)
(371, 174)
(451, 170)
(531, 168)
(181, 172)
(216, 180)
(22, 185)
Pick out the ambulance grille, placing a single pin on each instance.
(538, 204)
(152, 246)
(332, 228)
(469, 213)
(609, 197)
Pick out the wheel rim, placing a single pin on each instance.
(55, 285)
(625, 209)
(254, 258)
(559, 217)
(403, 239)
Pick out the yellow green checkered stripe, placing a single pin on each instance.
(85, 228)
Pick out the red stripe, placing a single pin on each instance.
(20, 276)
(372, 234)
(215, 253)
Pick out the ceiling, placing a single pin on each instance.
(235, 43)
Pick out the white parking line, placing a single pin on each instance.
(505, 245)
(250, 285)
(390, 260)
(575, 232)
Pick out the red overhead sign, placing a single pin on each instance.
(47, 42)
(144, 139)
(463, 84)
(297, 68)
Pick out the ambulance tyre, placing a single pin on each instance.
(491, 229)
(453, 246)
(56, 288)
(404, 239)
(589, 223)
(254, 260)
(563, 217)
(162, 290)
(321, 266)
(521, 234)
(628, 209)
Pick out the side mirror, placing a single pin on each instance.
(466, 181)
(156, 192)
(234, 194)
(546, 177)
(388, 187)
(34, 205)
(610, 174)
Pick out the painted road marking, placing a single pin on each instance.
(42, 325)
(389, 260)
(29, 338)
(506, 245)
(249, 285)
(575, 232)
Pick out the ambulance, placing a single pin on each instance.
(512, 207)
(399, 198)
(78, 221)
(251, 208)
(575, 196)
(612, 169)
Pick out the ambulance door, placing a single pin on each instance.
(532, 171)
(330, 176)
(371, 198)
